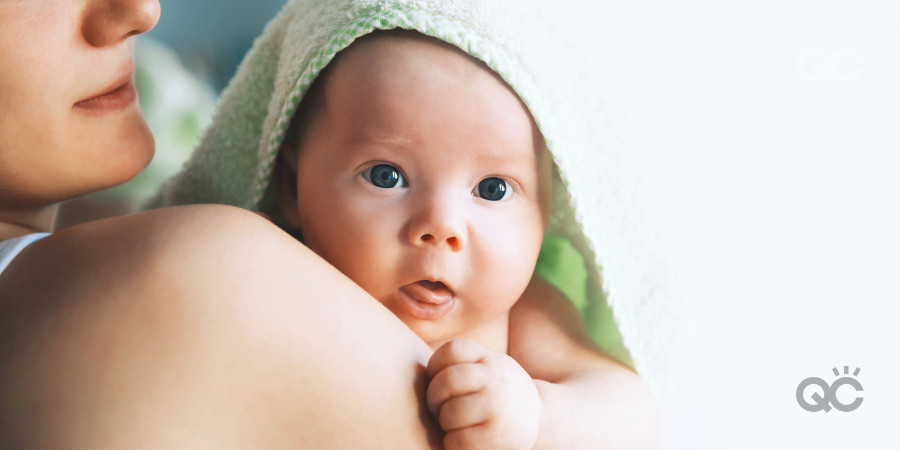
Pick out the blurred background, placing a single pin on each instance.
(212, 36)
(181, 67)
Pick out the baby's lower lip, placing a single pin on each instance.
(419, 301)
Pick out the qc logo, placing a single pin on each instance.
(830, 392)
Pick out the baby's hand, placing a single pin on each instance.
(482, 398)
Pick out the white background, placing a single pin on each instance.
(774, 129)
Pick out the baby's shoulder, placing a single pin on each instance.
(547, 336)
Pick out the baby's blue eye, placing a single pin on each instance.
(384, 176)
(492, 189)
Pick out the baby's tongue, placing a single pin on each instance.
(429, 292)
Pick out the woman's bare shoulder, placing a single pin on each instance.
(79, 301)
(207, 317)
(124, 249)
(150, 232)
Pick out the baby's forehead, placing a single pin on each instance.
(402, 55)
(386, 45)
(403, 90)
(399, 64)
(390, 70)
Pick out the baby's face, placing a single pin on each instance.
(420, 180)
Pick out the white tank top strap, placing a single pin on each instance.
(11, 248)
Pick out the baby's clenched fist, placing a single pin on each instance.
(482, 398)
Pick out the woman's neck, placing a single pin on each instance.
(19, 223)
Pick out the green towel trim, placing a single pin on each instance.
(562, 265)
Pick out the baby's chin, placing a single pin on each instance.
(492, 333)
(495, 341)
(431, 333)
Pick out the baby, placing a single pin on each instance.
(416, 171)
(420, 175)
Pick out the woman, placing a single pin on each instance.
(160, 328)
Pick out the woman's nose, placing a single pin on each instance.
(108, 22)
(440, 225)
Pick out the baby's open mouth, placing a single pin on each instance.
(434, 292)
(426, 300)
(433, 285)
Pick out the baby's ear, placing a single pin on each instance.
(288, 149)
(285, 180)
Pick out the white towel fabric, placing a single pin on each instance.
(546, 53)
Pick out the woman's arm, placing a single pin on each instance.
(200, 326)
(589, 399)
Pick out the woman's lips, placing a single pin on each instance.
(115, 99)
(427, 300)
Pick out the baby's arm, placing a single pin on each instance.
(555, 389)
(588, 399)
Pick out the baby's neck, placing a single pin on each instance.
(492, 335)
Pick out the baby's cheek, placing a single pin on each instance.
(365, 252)
(525, 236)
(526, 253)
(509, 264)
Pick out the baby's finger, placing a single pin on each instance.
(454, 381)
(457, 351)
(466, 411)
(474, 437)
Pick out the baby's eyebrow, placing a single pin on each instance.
(503, 157)
(383, 140)
(498, 156)
(364, 143)
(392, 141)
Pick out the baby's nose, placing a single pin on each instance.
(453, 242)
(438, 226)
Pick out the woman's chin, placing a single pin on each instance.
(120, 163)
(125, 158)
